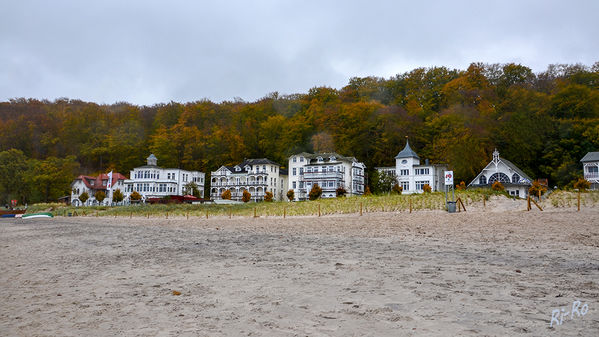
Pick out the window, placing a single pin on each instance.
(405, 185)
(422, 171)
(295, 159)
(515, 178)
(482, 180)
(301, 170)
(420, 185)
(501, 177)
(294, 171)
(331, 168)
(331, 183)
(319, 159)
(294, 185)
(301, 184)
(404, 172)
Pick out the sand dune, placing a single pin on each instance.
(496, 271)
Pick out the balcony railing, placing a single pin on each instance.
(322, 175)
(251, 183)
(591, 175)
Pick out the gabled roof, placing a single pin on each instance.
(98, 180)
(259, 161)
(591, 156)
(407, 152)
(326, 156)
(508, 163)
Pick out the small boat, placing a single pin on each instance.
(12, 211)
(38, 215)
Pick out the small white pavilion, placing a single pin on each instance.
(515, 181)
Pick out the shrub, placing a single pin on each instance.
(247, 196)
(100, 196)
(367, 191)
(536, 188)
(226, 195)
(268, 196)
(427, 188)
(582, 184)
(83, 197)
(315, 192)
(461, 186)
(497, 186)
(291, 195)
(117, 195)
(135, 196)
(396, 189)
(341, 192)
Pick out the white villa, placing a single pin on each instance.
(412, 176)
(590, 168)
(329, 170)
(152, 181)
(106, 183)
(515, 181)
(257, 176)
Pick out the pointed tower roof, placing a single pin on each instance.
(152, 160)
(407, 152)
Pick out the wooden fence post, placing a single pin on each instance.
(578, 200)
(284, 212)
(319, 209)
(187, 215)
(206, 213)
(360, 208)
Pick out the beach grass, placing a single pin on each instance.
(345, 205)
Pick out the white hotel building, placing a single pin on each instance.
(329, 170)
(257, 176)
(152, 181)
(412, 176)
(590, 169)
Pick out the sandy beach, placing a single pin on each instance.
(486, 272)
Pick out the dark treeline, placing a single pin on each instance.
(544, 123)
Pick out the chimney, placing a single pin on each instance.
(426, 162)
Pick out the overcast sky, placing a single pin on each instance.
(147, 52)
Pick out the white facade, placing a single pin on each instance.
(329, 170)
(412, 176)
(590, 169)
(152, 181)
(257, 176)
(515, 181)
(91, 185)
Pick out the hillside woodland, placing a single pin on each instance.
(542, 122)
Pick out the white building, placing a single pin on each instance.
(412, 176)
(515, 181)
(91, 185)
(257, 176)
(152, 181)
(329, 170)
(590, 169)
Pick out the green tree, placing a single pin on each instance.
(100, 196)
(135, 196)
(397, 189)
(117, 195)
(382, 182)
(13, 176)
(192, 189)
(83, 197)
(52, 177)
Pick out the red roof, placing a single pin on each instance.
(98, 180)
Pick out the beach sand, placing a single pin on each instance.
(496, 271)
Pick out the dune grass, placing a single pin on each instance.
(349, 205)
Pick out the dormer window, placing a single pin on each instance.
(237, 168)
(248, 168)
(332, 158)
(319, 159)
(301, 159)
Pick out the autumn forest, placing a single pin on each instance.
(542, 122)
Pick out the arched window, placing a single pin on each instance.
(482, 180)
(515, 178)
(501, 177)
